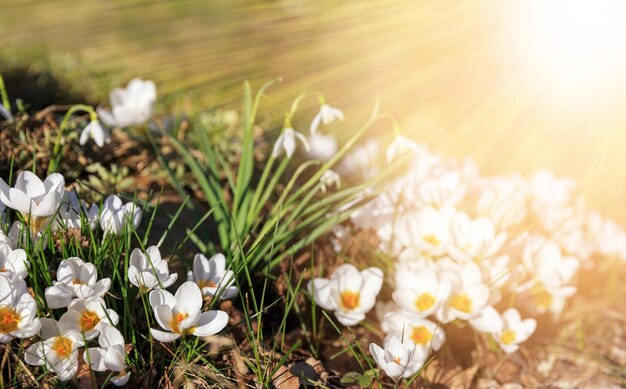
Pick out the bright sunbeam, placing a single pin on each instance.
(577, 44)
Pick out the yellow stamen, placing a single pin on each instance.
(176, 320)
(206, 284)
(421, 335)
(9, 319)
(425, 301)
(350, 300)
(62, 346)
(461, 302)
(507, 337)
(89, 320)
(432, 239)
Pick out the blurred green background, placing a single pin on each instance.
(455, 74)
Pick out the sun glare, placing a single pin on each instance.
(577, 43)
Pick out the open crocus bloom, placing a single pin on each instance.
(350, 293)
(395, 357)
(468, 295)
(58, 349)
(14, 261)
(287, 142)
(515, 330)
(115, 214)
(75, 279)
(420, 292)
(212, 277)
(36, 200)
(427, 230)
(181, 314)
(474, 239)
(17, 309)
(326, 115)
(110, 355)
(130, 106)
(88, 317)
(426, 335)
(147, 270)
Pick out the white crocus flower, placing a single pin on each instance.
(95, 131)
(72, 211)
(328, 178)
(36, 200)
(110, 355)
(181, 314)
(115, 214)
(147, 270)
(75, 279)
(426, 335)
(287, 142)
(474, 240)
(326, 115)
(322, 147)
(130, 106)
(17, 309)
(395, 357)
(420, 292)
(468, 295)
(89, 317)
(515, 330)
(212, 277)
(58, 349)
(400, 145)
(350, 293)
(427, 230)
(542, 256)
(14, 261)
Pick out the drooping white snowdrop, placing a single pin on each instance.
(147, 270)
(58, 349)
(212, 277)
(95, 131)
(15, 262)
(75, 279)
(130, 106)
(350, 293)
(474, 240)
(395, 357)
(420, 292)
(329, 178)
(73, 212)
(322, 147)
(89, 316)
(181, 314)
(287, 141)
(115, 215)
(18, 309)
(400, 145)
(36, 200)
(109, 356)
(515, 330)
(426, 335)
(326, 115)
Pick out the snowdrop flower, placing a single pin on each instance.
(426, 335)
(72, 210)
(350, 293)
(328, 178)
(515, 330)
(181, 314)
(212, 277)
(474, 239)
(130, 106)
(287, 142)
(58, 349)
(14, 262)
(75, 279)
(17, 309)
(36, 200)
(322, 147)
(115, 214)
(95, 131)
(88, 317)
(400, 145)
(420, 292)
(395, 357)
(326, 115)
(110, 355)
(147, 270)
